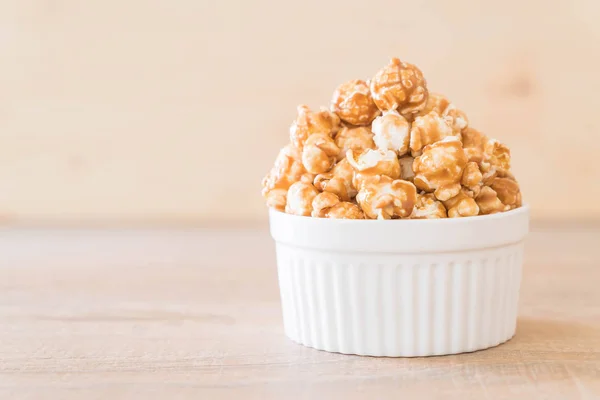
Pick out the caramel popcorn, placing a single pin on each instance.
(356, 139)
(299, 198)
(428, 129)
(508, 192)
(287, 170)
(428, 207)
(372, 163)
(473, 143)
(379, 142)
(488, 201)
(447, 191)
(319, 153)
(322, 203)
(338, 181)
(472, 177)
(392, 132)
(345, 210)
(488, 172)
(440, 166)
(309, 122)
(277, 199)
(328, 205)
(382, 197)
(498, 155)
(461, 205)
(353, 103)
(454, 117)
(399, 86)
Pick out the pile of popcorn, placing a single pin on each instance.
(389, 149)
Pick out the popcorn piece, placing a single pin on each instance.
(345, 210)
(461, 205)
(372, 163)
(498, 155)
(307, 178)
(392, 132)
(338, 181)
(508, 192)
(277, 199)
(399, 86)
(299, 198)
(287, 170)
(322, 203)
(328, 205)
(319, 153)
(444, 193)
(473, 143)
(309, 122)
(428, 207)
(356, 139)
(428, 129)
(472, 177)
(439, 103)
(382, 197)
(406, 168)
(488, 171)
(441, 166)
(488, 201)
(456, 118)
(352, 102)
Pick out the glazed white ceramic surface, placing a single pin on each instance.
(400, 287)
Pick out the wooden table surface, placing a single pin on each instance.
(195, 314)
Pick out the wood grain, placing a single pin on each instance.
(195, 314)
(142, 110)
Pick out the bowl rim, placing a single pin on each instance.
(401, 236)
(525, 208)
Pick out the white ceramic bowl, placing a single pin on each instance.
(400, 287)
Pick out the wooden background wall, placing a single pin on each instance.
(170, 111)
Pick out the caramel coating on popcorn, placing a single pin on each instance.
(474, 144)
(391, 132)
(287, 170)
(508, 192)
(461, 205)
(382, 197)
(308, 122)
(472, 176)
(299, 198)
(440, 166)
(328, 205)
(428, 207)
(338, 181)
(319, 153)
(372, 163)
(428, 129)
(399, 86)
(498, 155)
(358, 139)
(345, 210)
(454, 117)
(488, 201)
(322, 203)
(353, 103)
(381, 141)
(435, 102)
(447, 191)
(488, 172)
(277, 198)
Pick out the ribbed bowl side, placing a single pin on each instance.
(399, 304)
